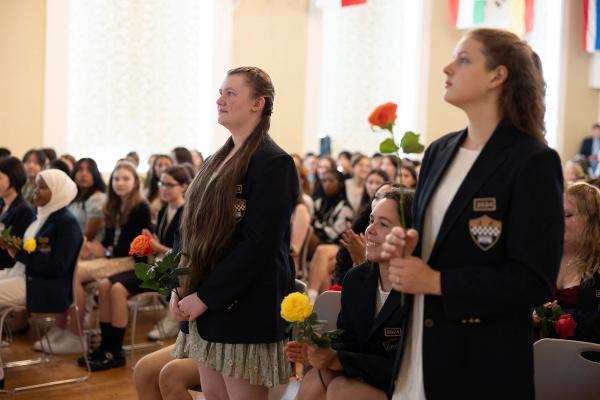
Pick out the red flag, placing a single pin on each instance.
(529, 15)
(346, 3)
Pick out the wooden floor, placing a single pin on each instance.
(112, 384)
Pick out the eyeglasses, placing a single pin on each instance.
(167, 185)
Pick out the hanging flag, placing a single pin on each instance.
(513, 15)
(591, 20)
(346, 3)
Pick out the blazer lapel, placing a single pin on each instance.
(391, 304)
(440, 164)
(490, 158)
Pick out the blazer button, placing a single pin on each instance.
(428, 323)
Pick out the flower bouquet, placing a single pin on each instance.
(161, 276)
(555, 322)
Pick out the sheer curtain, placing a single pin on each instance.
(365, 55)
(141, 77)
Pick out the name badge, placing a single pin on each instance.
(484, 204)
(392, 332)
(238, 189)
(598, 293)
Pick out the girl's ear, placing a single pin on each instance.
(259, 104)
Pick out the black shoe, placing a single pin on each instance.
(95, 355)
(108, 361)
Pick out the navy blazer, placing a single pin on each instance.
(49, 269)
(245, 288)
(18, 216)
(498, 250)
(367, 347)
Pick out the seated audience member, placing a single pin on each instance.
(408, 176)
(376, 161)
(33, 161)
(574, 172)
(49, 265)
(359, 365)
(310, 164)
(90, 200)
(69, 160)
(324, 164)
(159, 375)
(375, 179)
(300, 223)
(590, 146)
(332, 211)
(133, 157)
(355, 185)
(161, 161)
(391, 165)
(50, 155)
(344, 164)
(4, 152)
(59, 164)
(115, 290)
(198, 160)
(173, 183)
(578, 282)
(305, 189)
(182, 155)
(125, 212)
(15, 212)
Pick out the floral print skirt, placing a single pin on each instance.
(262, 364)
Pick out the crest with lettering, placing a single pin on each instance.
(485, 231)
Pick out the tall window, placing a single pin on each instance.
(140, 77)
(367, 55)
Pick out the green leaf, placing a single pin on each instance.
(410, 143)
(140, 270)
(388, 146)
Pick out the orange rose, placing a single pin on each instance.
(384, 116)
(141, 246)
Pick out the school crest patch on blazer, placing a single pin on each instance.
(485, 231)
(239, 209)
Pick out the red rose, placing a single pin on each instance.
(335, 287)
(384, 116)
(141, 246)
(565, 326)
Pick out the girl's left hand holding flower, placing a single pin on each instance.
(323, 358)
(192, 306)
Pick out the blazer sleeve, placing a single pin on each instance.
(23, 218)
(65, 241)
(534, 241)
(267, 217)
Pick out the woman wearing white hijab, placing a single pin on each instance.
(48, 268)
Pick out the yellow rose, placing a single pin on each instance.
(29, 245)
(296, 307)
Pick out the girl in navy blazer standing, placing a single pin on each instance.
(488, 231)
(236, 230)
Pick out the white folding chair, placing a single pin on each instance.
(327, 306)
(563, 370)
(46, 357)
(136, 303)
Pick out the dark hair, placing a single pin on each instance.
(70, 158)
(376, 155)
(98, 184)
(180, 173)
(152, 179)
(13, 168)
(345, 154)
(596, 125)
(356, 159)
(190, 169)
(523, 91)
(60, 165)
(405, 206)
(317, 187)
(411, 170)
(182, 155)
(40, 157)
(365, 199)
(208, 227)
(4, 152)
(50, 154)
